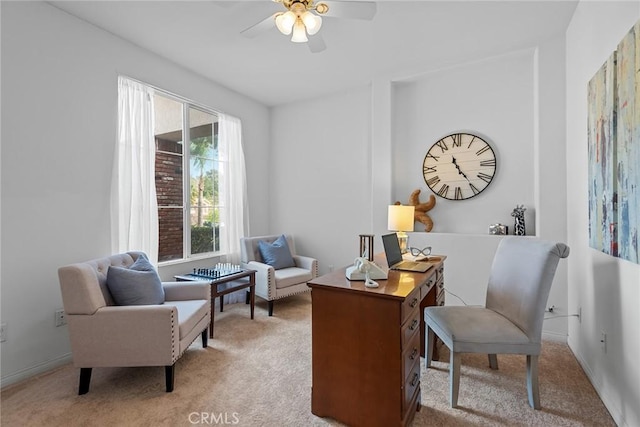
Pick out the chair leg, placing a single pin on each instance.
(247, 298)
(493, 361)
(169, 374)
(85, 380)
(429, 339)
(454, 378)
(205, 337)
(532, 381)
(271, 308)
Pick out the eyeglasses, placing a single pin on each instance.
(424, 251)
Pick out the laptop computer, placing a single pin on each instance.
(394, 256)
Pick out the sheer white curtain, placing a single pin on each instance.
(234, 217)
(134, 208)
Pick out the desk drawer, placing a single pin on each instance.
(410, 328)
(440, 272)
(426, 287)
(412, 383)
(410, 355)
(440, 293)
(409, 304)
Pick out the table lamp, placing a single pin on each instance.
(400, 220)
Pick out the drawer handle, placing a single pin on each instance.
(414, 381)
(414, 302)
(414, 353)
(414, 324)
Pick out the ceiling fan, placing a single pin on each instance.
(302, 19)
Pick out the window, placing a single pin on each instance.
(187, 179)
(179, 187)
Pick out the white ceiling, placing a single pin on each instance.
(405, 37)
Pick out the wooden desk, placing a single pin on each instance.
(239, 282)
(366, 345)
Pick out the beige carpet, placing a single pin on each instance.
(258, 373)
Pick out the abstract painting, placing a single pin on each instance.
(614, 151)
(602, 139)
(628, 144)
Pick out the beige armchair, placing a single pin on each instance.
(103, 334)
(273, 284)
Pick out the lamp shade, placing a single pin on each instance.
(311, 22)
(285, 22)
(299, 32)
(400, 218)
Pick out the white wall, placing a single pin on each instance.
(607, 288)
(59, 110)
(320, 171)
(494, 99)
(516, 100)
(405, 117)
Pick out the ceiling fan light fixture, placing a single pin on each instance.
(322, 8)
(311, 22)
(299, 33)
(285, 22)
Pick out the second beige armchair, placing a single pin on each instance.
(276, 278)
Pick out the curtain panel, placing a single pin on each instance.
(234, 215)
(134, 208)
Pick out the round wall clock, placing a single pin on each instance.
(459, 166)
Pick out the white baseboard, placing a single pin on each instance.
(609, 403)
(33, 371)
(554, 336)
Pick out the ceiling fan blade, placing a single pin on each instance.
(262, 26)
(316, 43)
(351, 9)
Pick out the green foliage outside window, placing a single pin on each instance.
(204, 180)
(204, 239)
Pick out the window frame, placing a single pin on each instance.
(186, 105)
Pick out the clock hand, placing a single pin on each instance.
(458, 167)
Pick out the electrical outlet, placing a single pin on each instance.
(3, 332)
(603, 341)
(61, 318)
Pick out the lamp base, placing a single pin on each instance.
(403, 240)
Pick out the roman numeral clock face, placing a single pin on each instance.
(459, 166)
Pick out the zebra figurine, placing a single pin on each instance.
(518, 214)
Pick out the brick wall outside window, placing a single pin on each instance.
(169, 194)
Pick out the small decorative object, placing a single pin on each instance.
(459, 166)
(420, 254)
(498, 229)
(416, 252)
(518, 214)
(366, 246)
(421, 209)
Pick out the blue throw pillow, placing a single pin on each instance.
(276, 254)
(137, 285)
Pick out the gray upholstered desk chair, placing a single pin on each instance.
(511, 321)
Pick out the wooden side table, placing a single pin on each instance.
(240, 280)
